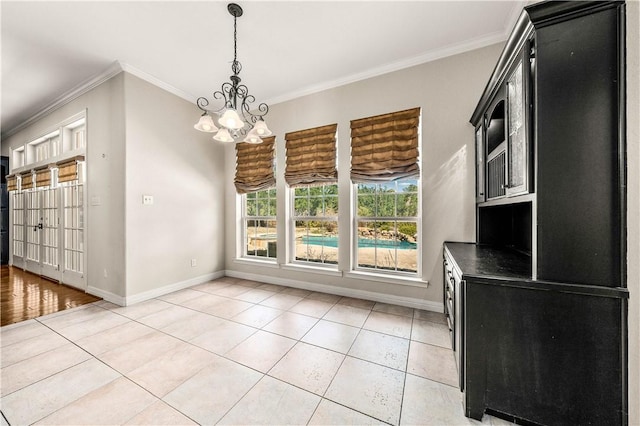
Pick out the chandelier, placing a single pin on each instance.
(237, 119)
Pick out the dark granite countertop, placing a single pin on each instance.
(502, 266)
(481, 260)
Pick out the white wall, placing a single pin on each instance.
(447, 90)
(633, 205)
(105, 178)
(183, 170)
(141, 140)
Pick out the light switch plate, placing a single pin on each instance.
(147, 200)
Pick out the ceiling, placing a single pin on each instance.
(287, 48)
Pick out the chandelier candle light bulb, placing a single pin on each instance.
(205, 124)
(223, 135)
(238, 120)
(253, 137)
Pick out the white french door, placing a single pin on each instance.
(48, 232)
(33, 226)
(42, 232)
(17, 228)
(72, 202)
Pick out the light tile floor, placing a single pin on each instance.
(232, 351)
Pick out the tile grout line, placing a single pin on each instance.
(317, 320)
(68, 368)
(406, 368)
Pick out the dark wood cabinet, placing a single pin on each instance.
(544, 352)
(540, 330)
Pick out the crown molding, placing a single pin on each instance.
(114, 69)
(111, 71)
(454, 49)
(157, 82)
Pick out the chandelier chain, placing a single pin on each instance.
(235, 46)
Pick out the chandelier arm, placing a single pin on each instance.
(202, 103)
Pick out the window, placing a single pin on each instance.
(385, 171)
(315, 224)
(77, 138)
(259, 224)
(387, 231)
(311, 173)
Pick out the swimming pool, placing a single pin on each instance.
(317, 240)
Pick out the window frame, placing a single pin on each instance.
(356, 219)
(293, 218)
(245, 218)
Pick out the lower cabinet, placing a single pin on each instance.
(547, 353)
(453, 312)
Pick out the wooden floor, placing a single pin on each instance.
(24, 295)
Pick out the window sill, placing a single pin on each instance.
(389, 279)
(312, 269)
(254, 262)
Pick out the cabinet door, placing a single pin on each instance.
(479, 165)
(518, 144)
(496, 147)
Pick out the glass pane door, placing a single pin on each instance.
(73, 230)
(50, 232)
(517, 148)
(32, 230)
(17, 229)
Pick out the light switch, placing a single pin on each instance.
(147, 199)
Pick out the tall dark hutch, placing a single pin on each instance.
(537, 308)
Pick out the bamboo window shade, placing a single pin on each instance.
(12, 183)
(311, 156)
(68, 169)
(385, 147)
(254, 166)
(43, 177)
(26, 180)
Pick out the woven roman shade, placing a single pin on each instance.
(68, 169)
(385, 147)
(26, 180)
(12, 183)
(254, 166)
(311, 156)
(43, 177)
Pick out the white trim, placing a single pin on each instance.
(454, 49)
(156, 292)
(170, 288)
(389, 278)
(106, 295)
(114, 69)
(410, 302)
(256, 262)
(157, 82)
(311, 268)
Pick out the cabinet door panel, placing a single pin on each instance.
(517, 135)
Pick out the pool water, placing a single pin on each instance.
(317, 240)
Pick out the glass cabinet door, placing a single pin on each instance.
(518, 151)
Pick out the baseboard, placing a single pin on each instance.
(147, 295)
(106, 295)
(170, 288)
(410, 302)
